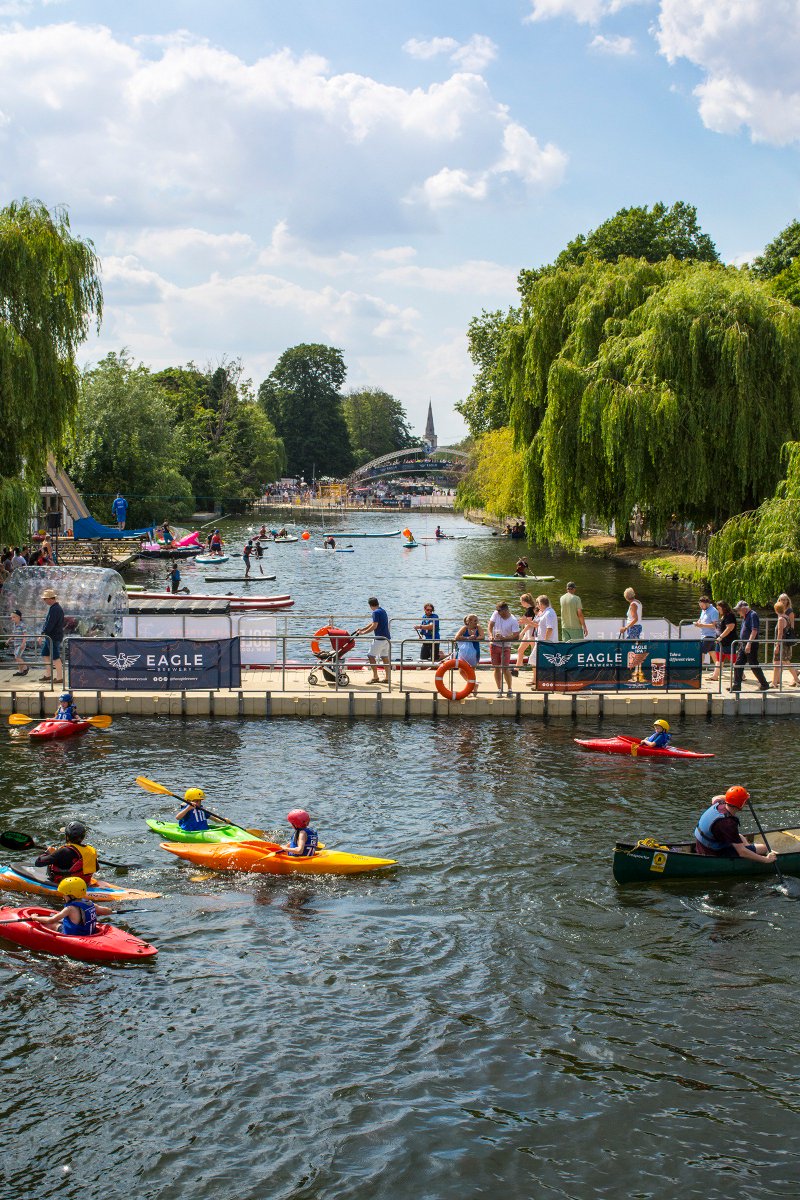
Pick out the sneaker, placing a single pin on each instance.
(500, 693)
(763, 687)
(511, 691)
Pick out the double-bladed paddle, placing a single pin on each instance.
(158, 789)
(14, 840)
(99, 722)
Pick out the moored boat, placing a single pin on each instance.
(264, 860)
(107, 945)
(635, 748)
(650, 862)
(19, 877)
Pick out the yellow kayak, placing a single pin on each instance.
(264, 859)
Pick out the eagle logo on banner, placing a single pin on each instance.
(557, 660)
(121, 661)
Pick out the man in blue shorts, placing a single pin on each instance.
(381, 644)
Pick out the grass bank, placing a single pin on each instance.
(666, 564)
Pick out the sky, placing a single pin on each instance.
(371, 175)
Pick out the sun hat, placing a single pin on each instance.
(48, 594)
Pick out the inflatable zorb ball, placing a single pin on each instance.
(93, 598)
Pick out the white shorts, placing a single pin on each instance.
(379, 648)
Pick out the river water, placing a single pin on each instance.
(494, 1018)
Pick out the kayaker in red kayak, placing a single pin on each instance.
(304, 839)
(662, 736)
(73, 858)
(717, 833)
(79, 917)
(66, 710)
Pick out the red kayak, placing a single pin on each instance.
(59, 729)
(635, 748)
(108, 945)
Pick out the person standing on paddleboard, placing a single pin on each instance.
(246, 554)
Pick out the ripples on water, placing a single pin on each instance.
(495, 1019)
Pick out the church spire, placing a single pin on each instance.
(430, 432)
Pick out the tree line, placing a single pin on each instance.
(638, 371)
(173, 440)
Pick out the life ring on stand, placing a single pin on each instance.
(467, 672)
(320, 633)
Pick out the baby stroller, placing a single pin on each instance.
(329, 661)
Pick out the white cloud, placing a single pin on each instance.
(614, 44)
(522, 160)
(749, 51)
(587, 12)
(166, 130)
(479, 278)
(474, 55)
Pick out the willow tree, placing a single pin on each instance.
(49, 290)
(495, 480)
(757, 554)
(670, 386)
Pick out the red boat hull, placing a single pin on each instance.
(58, 729)
(633, 748)
(108, 945)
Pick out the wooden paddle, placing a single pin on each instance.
(13, 840)
(766, 843)
(99, 722)
(158, 789)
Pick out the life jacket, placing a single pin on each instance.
(84, 866)
(312, 838)
(195, 820)
(70, 713)
(88, 922)
(703, 831)
(658, 739)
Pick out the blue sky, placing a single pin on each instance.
(371, 175)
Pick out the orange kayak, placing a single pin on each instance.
(255, 856)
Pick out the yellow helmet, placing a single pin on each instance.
(662, 724)
(192, 794)
(73, 886)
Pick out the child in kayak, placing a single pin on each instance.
(75, 857)
(193, 817)
(66, 710)
(79, 917)
(304, 840)
(662, 736)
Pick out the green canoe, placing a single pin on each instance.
(642, 863)
(511, 578)
(171, 831)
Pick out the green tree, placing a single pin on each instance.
(301, 396)
(376, 422)
(486, 407)
(780, 254)
(126, 439)
(495, 479)
(668, 385)
(228, 448)
(652, 233)
(49, 291)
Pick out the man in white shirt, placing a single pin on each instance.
(548, 621)
(503, 630)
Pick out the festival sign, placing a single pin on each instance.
(142, 664)
(618, 665)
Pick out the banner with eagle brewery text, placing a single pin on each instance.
(153, 664)
(645, 665)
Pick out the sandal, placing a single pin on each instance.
(25, 672)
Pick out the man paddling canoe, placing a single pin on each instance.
(717, 833)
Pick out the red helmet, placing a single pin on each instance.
(298, 817)
(737, 797)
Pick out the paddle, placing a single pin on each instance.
(99, 722)
(158, 789)
(14, 840)
(766, 843)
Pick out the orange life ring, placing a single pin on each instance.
(320, 633)
(467, 672)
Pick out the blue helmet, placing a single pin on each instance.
(65, 698)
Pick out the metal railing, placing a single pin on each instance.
(22, 653)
